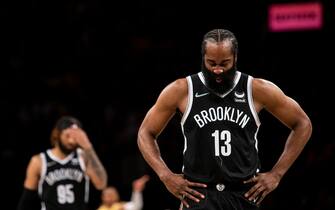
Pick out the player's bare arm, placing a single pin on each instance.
(271, 98)
(94, 167)
(33, 173)
(155, 121)
(173, 97)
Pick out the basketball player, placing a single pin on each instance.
(220, 106)
(110, 199)
(60, 175)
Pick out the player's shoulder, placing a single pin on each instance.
(265, 91)
(173, 93)
(36, 158)
(263, 85)
(180, 82)
(35, 163)
(177, 85)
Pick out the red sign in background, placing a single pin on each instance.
(295, 16)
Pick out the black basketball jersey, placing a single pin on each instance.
(64, 184)
(220, 132)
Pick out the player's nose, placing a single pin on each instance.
(217, 70)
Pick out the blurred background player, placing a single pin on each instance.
(59, 177)
(111, 200)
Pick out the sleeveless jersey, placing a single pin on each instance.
(220, 132)
(64, 183)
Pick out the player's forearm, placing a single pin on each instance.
(151, 153)
(97, 167)
(295, 143)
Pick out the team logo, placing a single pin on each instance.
(239, 97)
(75, 161)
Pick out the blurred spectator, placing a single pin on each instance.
(110, 199)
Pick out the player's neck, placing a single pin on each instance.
(58, 153)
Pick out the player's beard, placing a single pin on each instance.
(226, 79)
(64, 149)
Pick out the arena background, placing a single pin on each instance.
(105, 62)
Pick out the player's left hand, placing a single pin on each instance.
(264, 183)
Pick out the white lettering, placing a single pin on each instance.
(221, 113)
(62, 174)
(244, 121)
(212, 114)
(199, 121)
(204, 115)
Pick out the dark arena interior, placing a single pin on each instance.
(106, 62)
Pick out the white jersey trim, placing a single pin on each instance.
(81, 159)
(83, 168)
(251, 101)
(187, 111)
(43, 206)
(189, 100)
(43, 173)
(87, 188)
(256, 140)
(58, 160)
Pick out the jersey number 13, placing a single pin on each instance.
(224, 137)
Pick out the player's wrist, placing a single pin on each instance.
(87, 147)
(277, 174)
(163, 176)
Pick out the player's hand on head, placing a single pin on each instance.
(264, 183)
(182, 188)
(80, 137)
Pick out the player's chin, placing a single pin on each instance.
(72, 147)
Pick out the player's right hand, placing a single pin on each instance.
(181, 188)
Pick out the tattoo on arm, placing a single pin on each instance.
(96, 164)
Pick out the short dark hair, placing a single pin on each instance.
(219, 35)
(63, 123)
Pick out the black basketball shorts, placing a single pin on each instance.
(217, 197)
